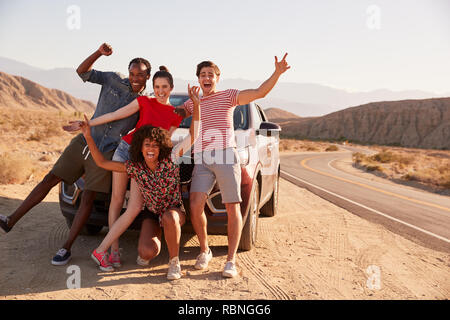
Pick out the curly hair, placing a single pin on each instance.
(161, 136)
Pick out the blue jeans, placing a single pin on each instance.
(121, 154)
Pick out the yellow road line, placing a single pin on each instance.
(303, 163)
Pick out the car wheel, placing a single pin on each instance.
(88, 229)
(250, 230)
(270, 209)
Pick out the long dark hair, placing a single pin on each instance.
(161, 136)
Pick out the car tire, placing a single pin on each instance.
(270, 209)
(250, 229)
(88, 229)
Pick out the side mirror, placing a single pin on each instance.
(268, 129)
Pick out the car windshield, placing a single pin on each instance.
(240, 116)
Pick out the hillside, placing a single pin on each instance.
(18, 92)
(276, 114)
(407, 123)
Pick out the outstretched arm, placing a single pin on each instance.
(121, 113)
(96, 154)
(249, 95)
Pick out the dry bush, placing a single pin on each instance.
(41, 134)
(388, 157)
(428, 168)
(28, 138)
(45, 158)
(15, 168)
(292, 145)
(332, 148)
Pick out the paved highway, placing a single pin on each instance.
(415, 213)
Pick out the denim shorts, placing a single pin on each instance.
(121, 154)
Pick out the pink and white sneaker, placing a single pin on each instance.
(101, 259)
(114, 259)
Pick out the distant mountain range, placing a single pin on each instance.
(407, 123)
(302, 99)
(421, 123)
(19, 92)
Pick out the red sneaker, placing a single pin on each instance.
(101, 259)
(114, 259)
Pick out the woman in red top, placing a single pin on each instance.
(155, 111)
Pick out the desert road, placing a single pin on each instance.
(411, 212)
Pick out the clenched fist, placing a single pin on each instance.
(105, 49)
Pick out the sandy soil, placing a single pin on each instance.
(310, 250)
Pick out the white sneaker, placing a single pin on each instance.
(230, 270)
(174, 272)
(142, 262)
(202, 260)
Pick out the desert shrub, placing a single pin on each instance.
(383, 157)
(332, 148)
(311, 148)
(45, 157)
(36, 136)
(374, 168)
(359, 157)
(15, 168)
(390, 157)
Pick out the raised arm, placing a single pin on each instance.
(96, 154)
(104, 50)
(194, 130)
(249, 95)
(121, 113)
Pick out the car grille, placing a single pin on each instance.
(69, 192)
(186, 172)
(214, 202)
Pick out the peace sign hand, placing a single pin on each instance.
(282, 66)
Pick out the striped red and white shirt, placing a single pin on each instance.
(216, 120)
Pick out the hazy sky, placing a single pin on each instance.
(355, 45)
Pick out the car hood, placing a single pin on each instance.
(242, 137)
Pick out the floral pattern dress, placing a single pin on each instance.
(160, 189)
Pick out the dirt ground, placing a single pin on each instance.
(310, 250)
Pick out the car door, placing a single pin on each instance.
(265, 149)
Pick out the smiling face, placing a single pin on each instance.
(150, 151)
(208, 80)
(162, 90)
(138, 76)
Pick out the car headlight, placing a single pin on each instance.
(244, 155)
